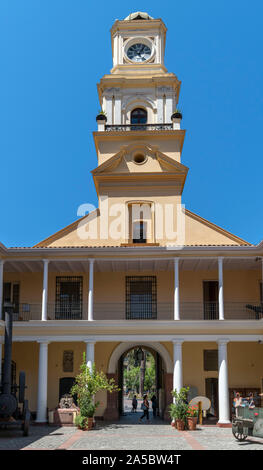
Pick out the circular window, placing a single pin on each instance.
(139, 158)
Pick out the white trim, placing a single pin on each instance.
(138, 338)
(123, 347)
(141, 325)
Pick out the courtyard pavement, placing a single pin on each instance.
(126, 434)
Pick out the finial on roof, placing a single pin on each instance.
(138, 15)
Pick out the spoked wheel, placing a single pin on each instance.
(239, 436)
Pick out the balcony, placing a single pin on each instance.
(138, 127)
(120, 311)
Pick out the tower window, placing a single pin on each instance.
(139, 116)
(139, 232)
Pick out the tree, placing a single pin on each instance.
(88, 383)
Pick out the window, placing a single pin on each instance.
(138, 116)
(69, 298)
(141, 297)
(11, 293)
(140, 223)
(139, 232)
(210, 359)
(210, 294)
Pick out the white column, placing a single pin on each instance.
(178, 365)
(90, 354)
(176, 290)
(223, 393)
(220, 289)
(42, 382)
(45, 290)
(117, 109)
(90, 301)
(1, 286)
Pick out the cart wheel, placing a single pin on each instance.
(25, 426)
(239, 436)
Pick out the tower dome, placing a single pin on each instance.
(138, 15)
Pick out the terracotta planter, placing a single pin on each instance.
(192, 422)
(180, 424)
(89, 425)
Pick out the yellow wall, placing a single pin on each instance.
(109, 288)
(244, 362)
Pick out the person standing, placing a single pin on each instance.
(134, 404)
(237, 402)
(154, 405)
(145, 408)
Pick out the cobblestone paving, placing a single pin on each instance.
(40, 437)
(127, 434)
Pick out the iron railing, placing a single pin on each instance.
(138, 311)
(138, 127)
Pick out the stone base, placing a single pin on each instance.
(224, 425)
(63, 417)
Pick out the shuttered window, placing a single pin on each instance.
(210, 359)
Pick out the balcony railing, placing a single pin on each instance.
(119, 311)
(138, 127)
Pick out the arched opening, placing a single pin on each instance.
(138, 117)
(140, 373)
(163, 378)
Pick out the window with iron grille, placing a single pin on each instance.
(69, 298)
(210, 359)
(141, 297)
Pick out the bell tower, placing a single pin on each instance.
(138, 79)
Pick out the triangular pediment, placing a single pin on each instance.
(150, 160)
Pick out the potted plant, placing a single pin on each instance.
(177, 114)
(192, 414)
(88, 383)
(101, 116)
(178, 409)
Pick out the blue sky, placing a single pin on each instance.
(54, 52)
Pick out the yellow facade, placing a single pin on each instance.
(137, 166)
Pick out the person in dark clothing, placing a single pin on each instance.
(134, 404)
(145, 408)
(154, 405)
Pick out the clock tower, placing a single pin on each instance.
(138, 77)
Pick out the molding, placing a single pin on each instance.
(140, 325)
(123, 347)
(138, 338)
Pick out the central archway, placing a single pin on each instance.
(164, 376)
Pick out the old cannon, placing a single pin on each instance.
(10, 414)
(248, 422)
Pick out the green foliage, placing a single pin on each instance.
(177, 110)
(88, 383)
(179, 409)
(102, 112)
(81, 421)
(132, 372)
(149, 381)
(131, 377)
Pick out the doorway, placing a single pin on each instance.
(140, 371)
(211, 392)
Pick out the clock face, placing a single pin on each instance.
(139, 52)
